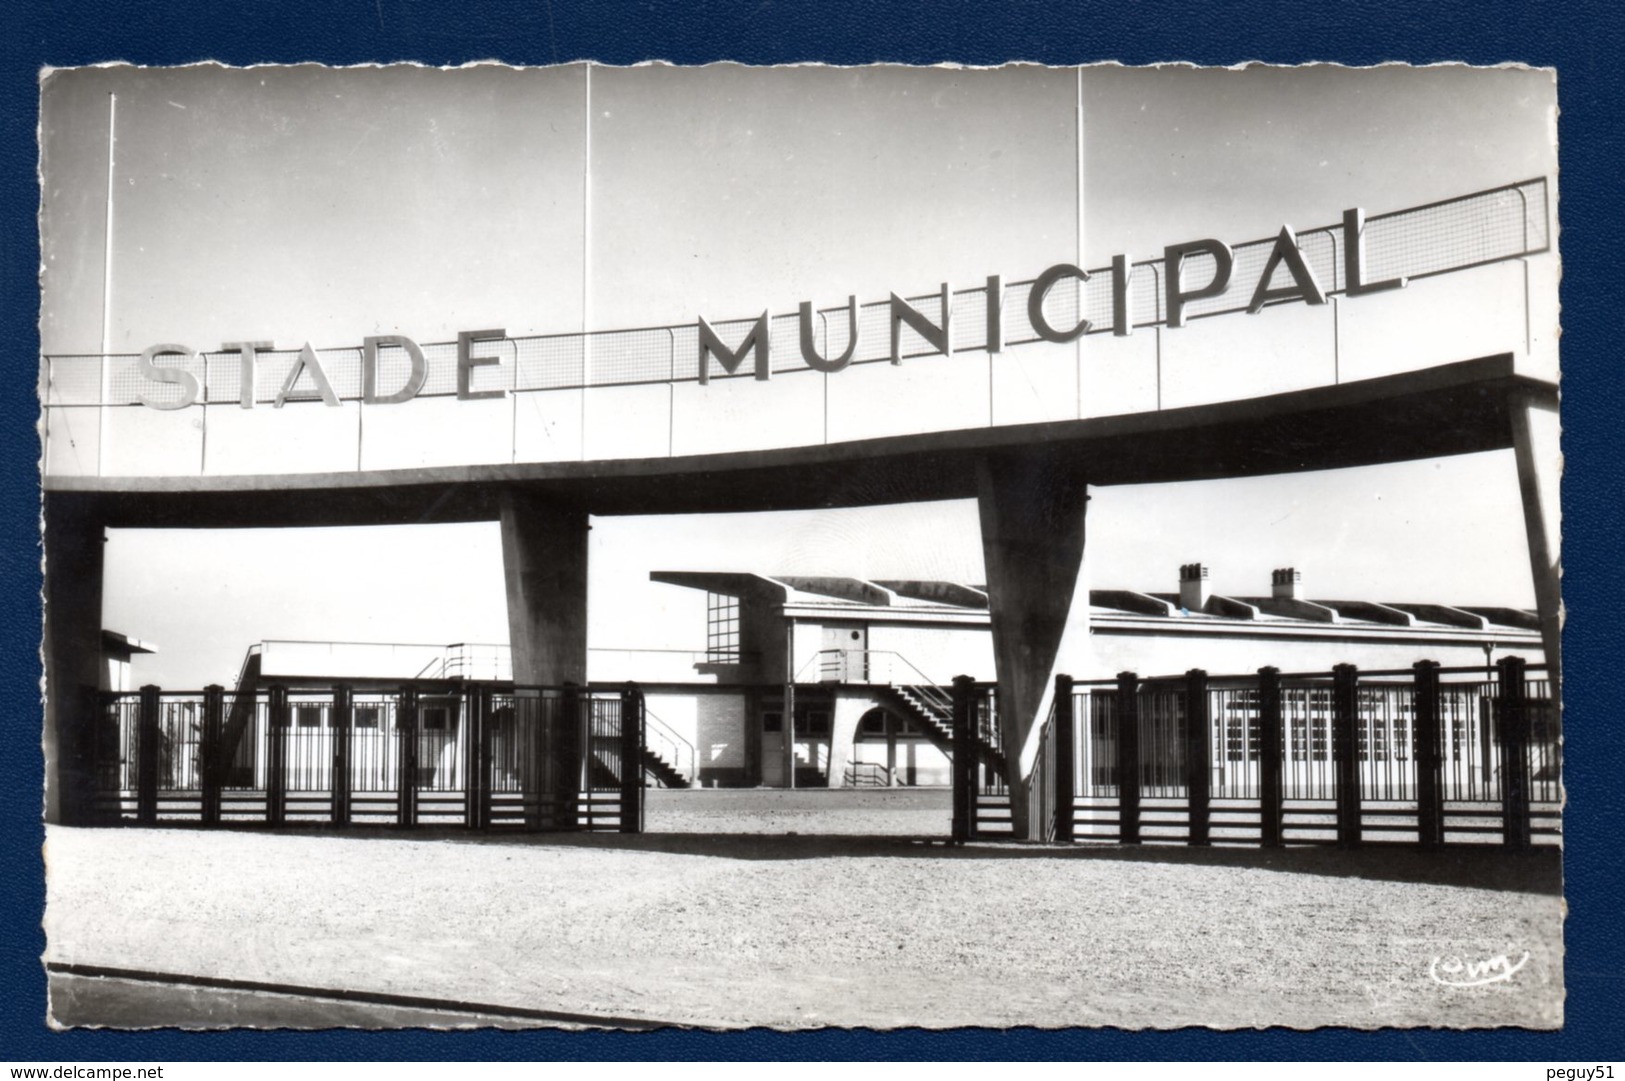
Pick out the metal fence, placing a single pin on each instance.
(1498, 224)
(480, 755)
(1428, 756)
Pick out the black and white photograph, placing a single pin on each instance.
(801, 547)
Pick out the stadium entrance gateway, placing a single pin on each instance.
(650, 436)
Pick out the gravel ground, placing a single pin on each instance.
(696, 927)
(874, 812)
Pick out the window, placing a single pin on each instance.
(307, 716)
(1240, 738)
(366, 716)
(721, 628)
(815, 722)
(435, 717)
(772, 721)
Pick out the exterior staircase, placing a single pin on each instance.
(238, 767)
(664, 773)
(655, 768)
(933, 711)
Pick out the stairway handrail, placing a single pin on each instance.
(654, 726)
(923, 679)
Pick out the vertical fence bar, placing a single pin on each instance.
(477, 779)
(964, 766)
(1345, 753)
(276, 757)
(1428, 754)
(571, 750)
(1198, 766)
(406, 769)
(1128, 758)
(1269, 757)
(631, 758)
(146, 767)
(1066, 776)
(542, 784)
(1512, 732)
(211, 764)
(342, 722)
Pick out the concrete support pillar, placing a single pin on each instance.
(73, 658)
(544, 558)
(1032, 517)
(1536, 444)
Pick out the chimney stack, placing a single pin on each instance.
(1284, 584)
(1193, 592)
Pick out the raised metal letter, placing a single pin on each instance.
(1040, 291)
(245, 369)
(1173, 258)
(178, 376)
(307, 362)
(466, 363)
(758, 339)
(902, 312)
(995, 314)
(1122, 314)
(369, 369)
(1303, 284)
(1354, 257)
(809, 348)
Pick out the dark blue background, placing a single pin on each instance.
(1580, 40)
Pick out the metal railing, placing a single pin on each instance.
(666, 741)
(468, 753)
(1429, 755)
(867, 775)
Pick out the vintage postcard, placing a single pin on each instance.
(870, 547)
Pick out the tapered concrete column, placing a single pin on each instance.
(1032, 515)
(1537, 445)
(73, 658)
(544, 558)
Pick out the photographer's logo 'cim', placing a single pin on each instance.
(1454, 972)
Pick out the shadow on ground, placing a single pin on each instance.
(1538, 870)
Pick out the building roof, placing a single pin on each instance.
(956, 602)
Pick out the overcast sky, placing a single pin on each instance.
(305, 204)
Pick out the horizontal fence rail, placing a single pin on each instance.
(1431, 757)
(1495, 225)
(478, 755)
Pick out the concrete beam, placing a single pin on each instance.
(544, 559)
(1032, 515)
(1450, 409)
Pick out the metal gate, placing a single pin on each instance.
(474, 755)
(1423, 756)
